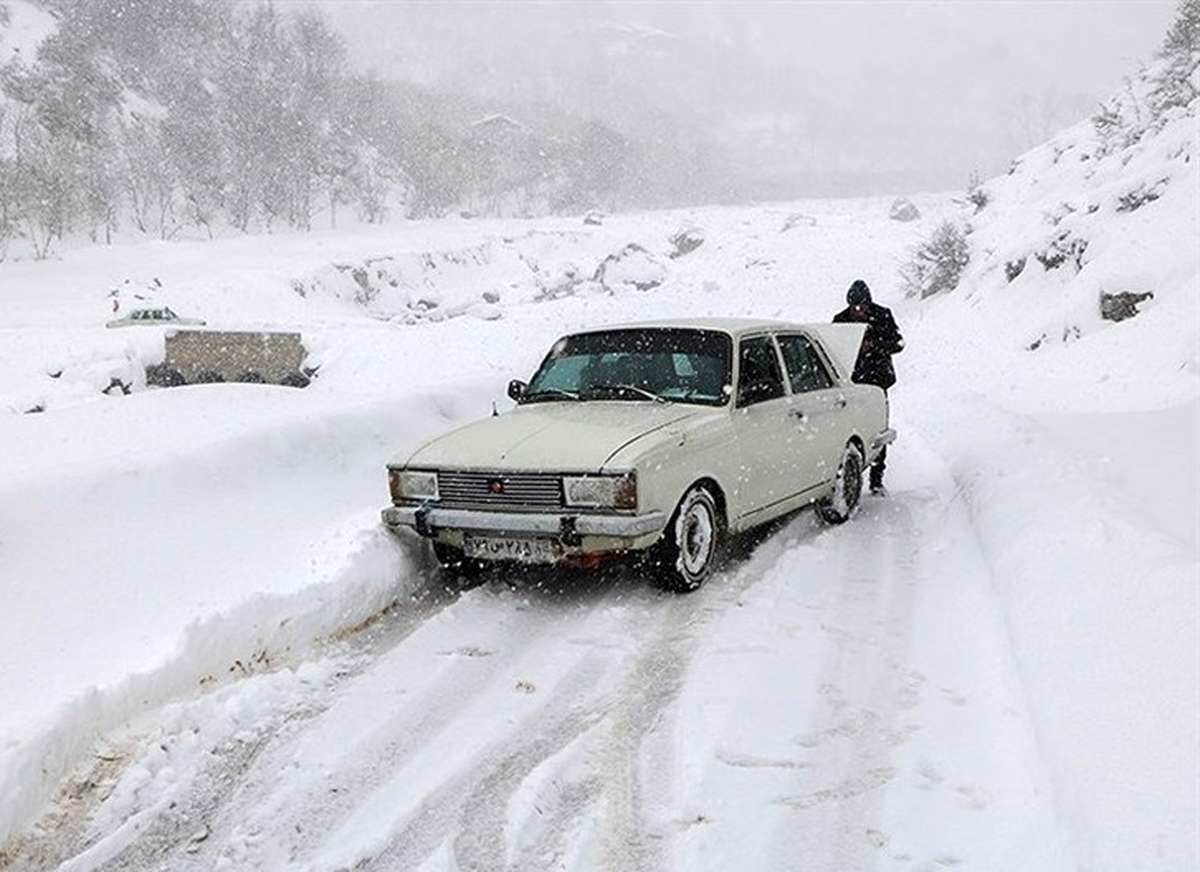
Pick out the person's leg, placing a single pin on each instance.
(877, 469)
(880, 463)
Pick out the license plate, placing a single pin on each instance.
(520, 550)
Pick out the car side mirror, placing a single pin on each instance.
(516, 390)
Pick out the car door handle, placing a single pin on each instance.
(798, 414)
(841, 402)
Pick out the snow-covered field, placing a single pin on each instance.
(212, 657)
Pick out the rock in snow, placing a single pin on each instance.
(904, 209)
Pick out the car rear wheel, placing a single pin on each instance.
(839, 506)
(690, 547)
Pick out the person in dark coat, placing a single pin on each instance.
(874, 364)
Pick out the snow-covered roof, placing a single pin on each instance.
(733, 326)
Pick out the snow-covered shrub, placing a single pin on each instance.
(976, 195)
(1140, 196)
(936, 264)
(1063, 247)
(904, 209)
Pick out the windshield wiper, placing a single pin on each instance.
(650, 395)
(549, 392)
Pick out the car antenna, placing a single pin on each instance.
(495, 413)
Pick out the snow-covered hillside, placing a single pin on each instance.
(1084, 216)
(994, 668)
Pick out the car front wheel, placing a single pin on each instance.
(685, 556)
(847, 489)
(460, 570)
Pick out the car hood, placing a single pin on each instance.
(567, 436)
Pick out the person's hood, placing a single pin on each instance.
(568, 436)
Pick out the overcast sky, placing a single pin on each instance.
(927, 91)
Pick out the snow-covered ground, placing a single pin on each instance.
(212, 657)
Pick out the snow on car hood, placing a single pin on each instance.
(565, 436)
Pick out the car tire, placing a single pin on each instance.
(839, 507)
(455, 566)
(295, 380)
(691, 544)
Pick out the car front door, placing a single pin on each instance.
(761, 422)
(818, 410)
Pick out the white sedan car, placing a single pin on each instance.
(662, 438)
(163, 317)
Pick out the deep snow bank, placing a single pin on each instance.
(1100, 599)
(169, 541)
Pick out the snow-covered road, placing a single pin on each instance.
(836, 699)
(214, 657)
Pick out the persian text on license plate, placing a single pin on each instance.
(521, 550)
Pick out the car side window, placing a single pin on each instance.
(806, 371)
(759, 378)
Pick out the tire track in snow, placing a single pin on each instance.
(621, 689)
(619, 715)
(467, 808)
(297, 819)
(864, 687)
(164, 833)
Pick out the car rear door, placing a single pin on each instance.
(761, 423)
(818, 409)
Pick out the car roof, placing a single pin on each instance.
(732, 326)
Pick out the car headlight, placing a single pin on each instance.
(601, 491)
(407, 484)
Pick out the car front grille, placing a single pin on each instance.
(522, 491)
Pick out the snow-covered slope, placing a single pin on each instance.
(1082, 216)
(1073, 440)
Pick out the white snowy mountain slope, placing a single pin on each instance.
(992, 669)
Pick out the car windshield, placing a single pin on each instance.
(641, 364)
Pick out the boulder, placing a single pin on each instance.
(1118, 307)
(561, 281)
(904, 209)
(686, 240)
(797, 219)
(631, 267)
(486, 312)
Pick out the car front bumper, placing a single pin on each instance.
(570, 528)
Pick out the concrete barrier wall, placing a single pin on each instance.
(233, 354)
